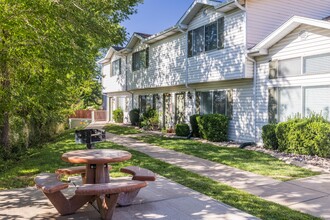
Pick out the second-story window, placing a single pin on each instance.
(206, 38)
(116, 68)
(140, 59)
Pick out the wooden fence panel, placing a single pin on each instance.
(82, 114)
(100, 115)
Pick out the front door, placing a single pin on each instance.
(167, 110)
(179, 108)
(111, 107)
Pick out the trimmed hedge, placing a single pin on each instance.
(182, 130)
(269, 136)
(308, 136)
(134, 116)
(213, 127)
(118, 115)
(194, 125)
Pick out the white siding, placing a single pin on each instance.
(291, 46)
(168, 57)
(166, 64)
(265, 16)
(241, 127)
(114, 83)
(228, 63)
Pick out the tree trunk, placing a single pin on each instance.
(5, 98)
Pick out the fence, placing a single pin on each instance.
(82, 114)
(82, 118)
(99, 115)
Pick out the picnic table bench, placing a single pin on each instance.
(96, 182)
(141, 174)
(51, 186)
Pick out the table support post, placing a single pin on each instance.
(90, 174)
(102, 173)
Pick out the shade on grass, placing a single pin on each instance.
(121, 130)
(20, 173)
(252, 161)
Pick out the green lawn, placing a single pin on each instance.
(47, 159)
(121, 130)
(252, 161)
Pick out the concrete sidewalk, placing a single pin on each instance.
(310, 195)
(161, 199)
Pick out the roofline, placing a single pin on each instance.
(294, 22)
(178, 27)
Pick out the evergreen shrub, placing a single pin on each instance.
(213, 127)
(118, 115)
(182, 130)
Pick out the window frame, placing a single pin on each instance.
(212, 92)
(137, 60)
(113, 64)
(191, 44)
(302, 106)
(311, 73)
(303, 90)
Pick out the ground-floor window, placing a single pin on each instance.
(287, 102)
(147, 102)
(211, 102)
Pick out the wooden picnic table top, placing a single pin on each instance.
(96, 156)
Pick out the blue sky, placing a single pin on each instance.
(154, 16)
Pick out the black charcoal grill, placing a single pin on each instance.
(89, 137)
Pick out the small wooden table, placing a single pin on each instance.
(96, 161)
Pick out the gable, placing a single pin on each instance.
(288, 27)
(305, 40)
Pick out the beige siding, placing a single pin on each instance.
(228, 63)
(291, 46)
(265, 16)
(114, 83)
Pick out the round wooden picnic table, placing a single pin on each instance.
(96, 161)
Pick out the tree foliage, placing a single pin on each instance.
(47, 56)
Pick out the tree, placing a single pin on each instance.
(47, 57)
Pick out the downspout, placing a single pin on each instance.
(187, 79)
(126, 86)
(254, 94)
(254, 75)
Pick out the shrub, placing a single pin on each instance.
(118, 115)
(213, 127)
(134, 116)
(182, 130)
(194, 125)
(269, 136)
(150, 119)
(310, 136)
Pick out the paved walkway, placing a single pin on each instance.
(310, 195)
(162, 199)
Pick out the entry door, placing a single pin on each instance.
(167, 110)
(111, 107)
(179, 108)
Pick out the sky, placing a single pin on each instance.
(154, 16)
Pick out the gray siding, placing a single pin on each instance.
(265, 16)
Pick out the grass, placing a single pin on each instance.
(252, 161)
(47, 158)
(121, 130)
